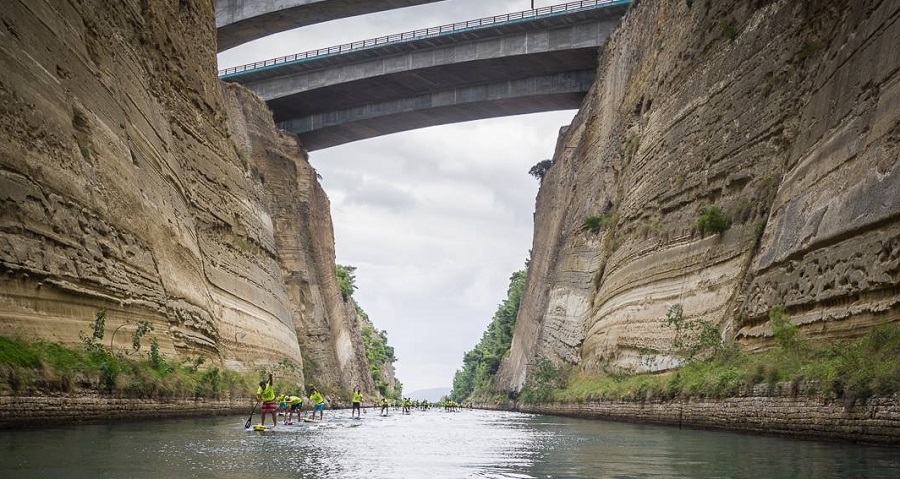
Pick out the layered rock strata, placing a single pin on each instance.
(132, 179)
(784, 114)
(325, 324)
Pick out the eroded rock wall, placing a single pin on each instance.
(122, 188)
(325, 324)
(787, 116)
(132, 179)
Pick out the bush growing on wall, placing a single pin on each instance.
(595, 224)
(346, 280)
(712, 220)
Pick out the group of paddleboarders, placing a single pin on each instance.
(287, 403)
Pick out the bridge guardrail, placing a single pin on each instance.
(424, 33)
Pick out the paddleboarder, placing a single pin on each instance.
(315, 397)
(266, 394)
(357, 403)
(292, 404)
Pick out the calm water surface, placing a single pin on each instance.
(432, 444)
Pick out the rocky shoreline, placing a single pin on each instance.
(874, 421)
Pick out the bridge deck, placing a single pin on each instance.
(539, 60)
(542, 19)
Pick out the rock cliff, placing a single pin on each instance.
(132, 179)
(784, 114)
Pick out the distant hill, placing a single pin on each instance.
(431, 395)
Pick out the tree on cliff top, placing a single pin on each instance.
(346, 280)
(540, 169)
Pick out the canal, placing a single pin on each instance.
(427, 444)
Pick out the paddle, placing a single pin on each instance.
(250, 419)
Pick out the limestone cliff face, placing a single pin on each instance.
(131, 178)
(784, 114)
(325, 325)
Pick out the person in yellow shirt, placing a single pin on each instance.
(292, 403)
(315, 397)
(357, 403)
(266, 394)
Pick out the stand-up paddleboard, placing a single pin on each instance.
(259, 427)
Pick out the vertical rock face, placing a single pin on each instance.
(324, 324)
(784, 114)
(131, 178)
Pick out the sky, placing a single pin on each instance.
(435, 220)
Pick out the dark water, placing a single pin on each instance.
(433, 444)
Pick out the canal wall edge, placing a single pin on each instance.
(875, 421)
(20, 412)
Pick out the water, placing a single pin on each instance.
(432, 444)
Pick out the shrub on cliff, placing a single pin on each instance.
(540, 169)
(346, 280)
(712, 220)
(595, 224)
(545, 377)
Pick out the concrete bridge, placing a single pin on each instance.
(524, 62)
(241, 21)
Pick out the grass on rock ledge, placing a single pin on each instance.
(848, 371)
(30, 368)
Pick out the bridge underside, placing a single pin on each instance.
(241, 21)
(562, 91)
(544, 64)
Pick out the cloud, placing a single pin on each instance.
(378, 193)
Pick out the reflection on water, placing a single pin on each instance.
(433, 444)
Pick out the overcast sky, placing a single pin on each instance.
(435, 220)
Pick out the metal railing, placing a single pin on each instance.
(508, 18)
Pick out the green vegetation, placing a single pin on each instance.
(631, 147)
(379, 354)
(544, 377)
(41, 367)
(481, 363)
(729, 28)
(849, 371)
(540, 169)
(346, 280)
(691, 337)
(596, 224)
(36, 368)
(712, 220)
